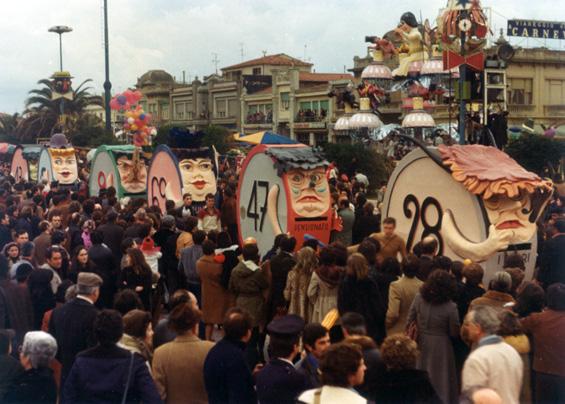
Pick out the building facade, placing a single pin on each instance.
(536, 86)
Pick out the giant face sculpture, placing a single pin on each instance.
(133, 174)
(284, 189)
(309, 191)
(198, 177)
(64, 165)
(513, 198)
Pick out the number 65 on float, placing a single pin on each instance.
(475, 200)
(284, 189)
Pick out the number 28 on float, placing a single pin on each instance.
(284, 189)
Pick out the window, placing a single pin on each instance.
(256, 71)
(232, 107)
(259, 113)
(312, 111)
(180, 108)
(165, 110)
(285, 101)
(520, 91)
(220, 107)
(555, 90)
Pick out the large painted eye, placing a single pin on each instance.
(58, 161)
(205, 166)
(493, 202)
(297, 178)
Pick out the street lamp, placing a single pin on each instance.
(107, 83)
(60, 29)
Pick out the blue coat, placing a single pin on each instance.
(99, 375)
(279, 382)
(226, 375)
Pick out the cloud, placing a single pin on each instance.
(178, 35)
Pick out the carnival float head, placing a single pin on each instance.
(284, 189)
(513, 197)
(58, 162)
(123, 167)
(197, 163)
(303, 172)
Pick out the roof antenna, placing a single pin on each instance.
(241, 51)
(215, 61)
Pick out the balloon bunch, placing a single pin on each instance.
(125, 100)
(136, 121)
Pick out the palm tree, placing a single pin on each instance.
(9, 127)
(42, 116)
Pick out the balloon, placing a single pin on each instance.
(142, 116)
(137, 95)
(132, 99)
(131, 120)
(153, 131)
(133, 127)
(114, 104)
(122, 100)
(126, 126)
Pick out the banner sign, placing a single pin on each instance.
(536, 29)
(254, 83)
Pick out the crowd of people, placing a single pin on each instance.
(106, 301)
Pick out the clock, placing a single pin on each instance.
(465, 25)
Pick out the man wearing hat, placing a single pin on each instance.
(279, 381)
(72, 324)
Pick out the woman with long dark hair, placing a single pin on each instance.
(12, 253)
(436, 318)
(80, 262)
(137, 276)
(358, 293)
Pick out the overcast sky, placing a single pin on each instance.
(178, 35)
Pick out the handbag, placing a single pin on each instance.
(124, 397)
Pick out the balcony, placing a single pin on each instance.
(259, 118)
(521, 109)
(557, 110)
(309, 115)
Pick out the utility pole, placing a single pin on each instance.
(107, 84)
(215, 61)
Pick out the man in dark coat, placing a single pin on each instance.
(166, 238)
(112, 234)
(42, 242)
(281, 264)
(105, 266)
(72, 324)
(10, 367)
(16, 312)
(279, 382)
(316, 340)
(5, 232)
(552, 268)
(226, 375)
